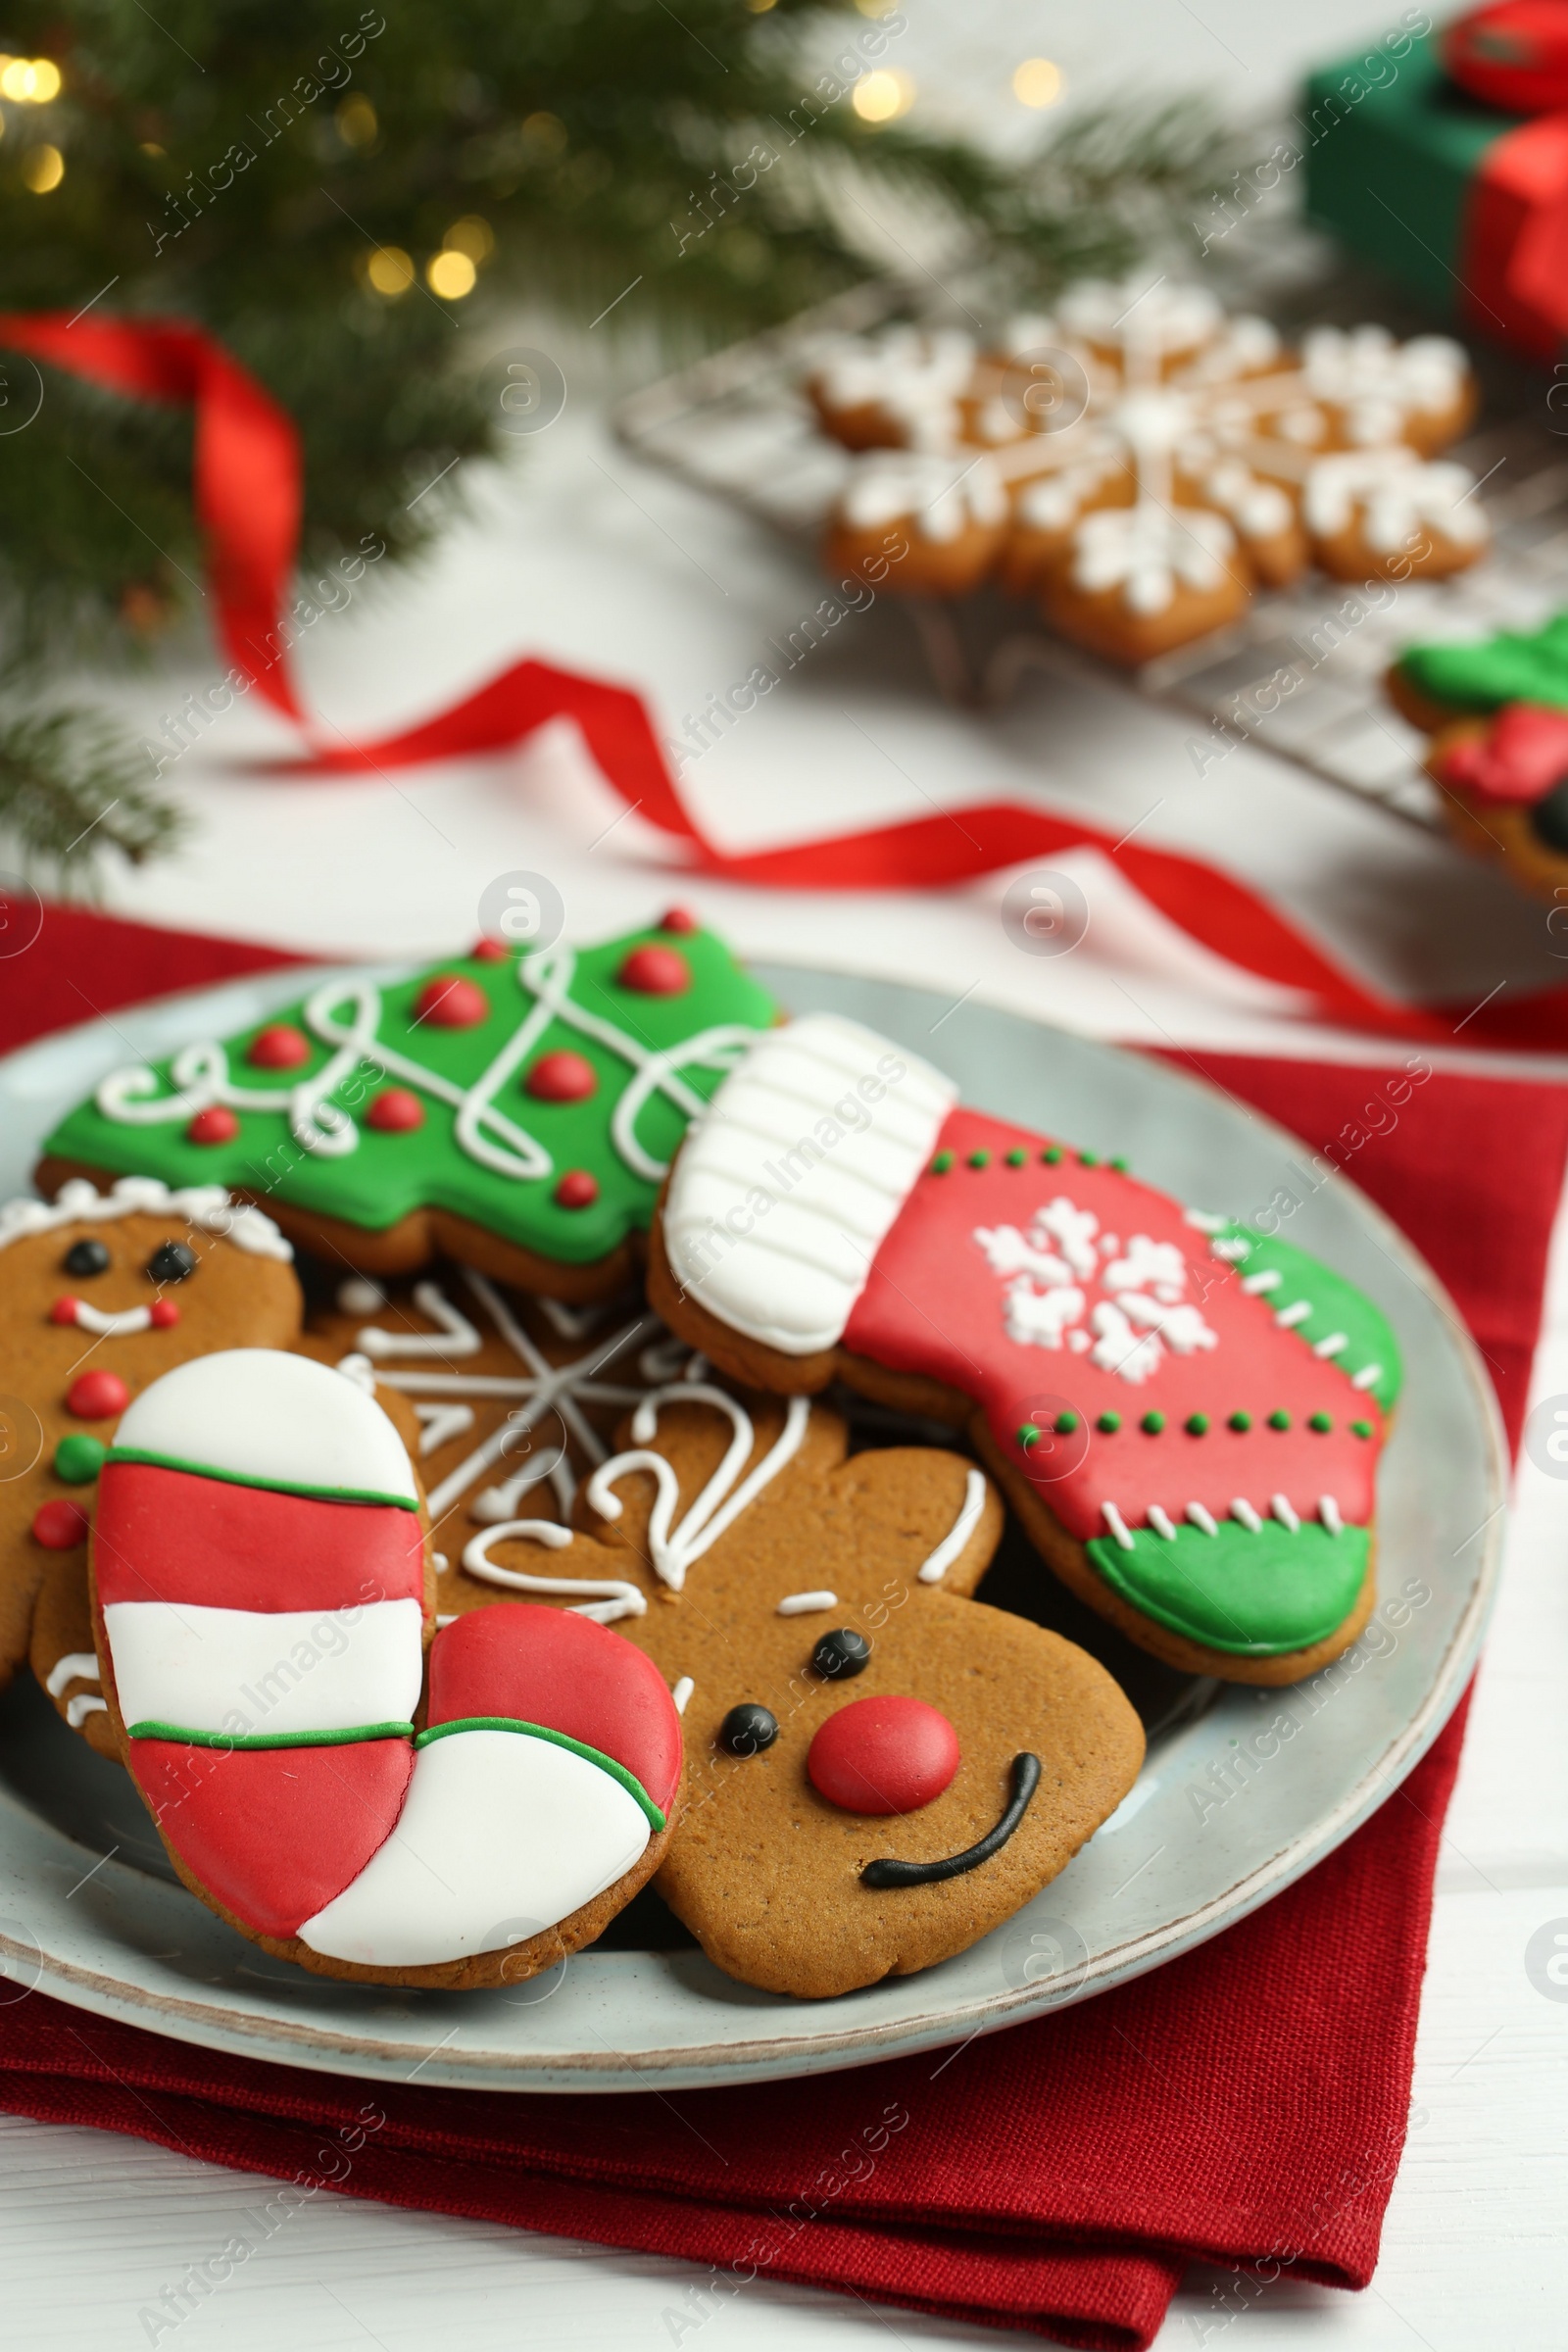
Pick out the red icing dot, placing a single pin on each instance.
(490, 950)
(448, 1001)
(216, 1124)
(278, 1048)
(97, 1396)
(577, 1189)
(679, 919)
(656, 972)
(562, 1078)
(60, 1526)
(164, 1313)
(63, 1310)
(883, 1755)
(395, 1111)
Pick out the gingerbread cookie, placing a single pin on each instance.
(1436, 685)
(1504, 784)
(263, 1600)
(1186, 1415)
(514, 1112)
(895, 390)
(514, 1399)
(1160, 462)
(103, 1294)
(879, 1768)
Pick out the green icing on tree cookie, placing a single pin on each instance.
(1370, 1355)
(296, 1119)
(1251, 1595)
(1483, 674)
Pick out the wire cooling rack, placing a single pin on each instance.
(1301, 673)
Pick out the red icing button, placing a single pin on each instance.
(577, 1189)
(60, 1526)
(490, 950)
(395, 1111)
(97, 1395)
(448, 1001)
(679, 919)
(63, 1310)
(656, 972)
(883, 1755)
(216, 1124)
(164, 1313)
(278, 1048)
(562, 1078)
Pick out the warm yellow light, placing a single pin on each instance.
(545, 130)
(16, 80)
(1037, 82)
(876, 7)
(355, 121)
(882, 97)
(760, 8)
(391, 270)
(45, 80)
(43, 168)
(450, 276)
(473, 235)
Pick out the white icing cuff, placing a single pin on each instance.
(786, 1187)
(502, 1835)
(260, 1414)
(245, 1671)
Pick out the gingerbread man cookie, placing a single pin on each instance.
(515, 1112)
(1186, 1415)
(263, 1600)
(103, 1294)
(879, 1768)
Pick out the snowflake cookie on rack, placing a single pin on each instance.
(1140, 463)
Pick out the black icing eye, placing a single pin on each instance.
(748, 1729)
(86, 1257)
(841, 1654)
(171, 1261)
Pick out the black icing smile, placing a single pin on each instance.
(886, 1873)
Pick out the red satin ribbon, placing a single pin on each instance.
(248, 502)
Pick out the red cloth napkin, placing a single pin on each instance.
(1244, 2104)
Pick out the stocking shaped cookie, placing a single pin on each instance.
(103, 1294)
(879, 1769)
(262, 1602)
(515, 1112)
(1186, 1415)
(514, 1399)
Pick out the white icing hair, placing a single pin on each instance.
(206, 1206)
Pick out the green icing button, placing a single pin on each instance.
(1249, 1596)
(1480, 677)
(1338, 1306)
(79, 1458)
(389, 1175)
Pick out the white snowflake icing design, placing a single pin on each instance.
(1142, 1314)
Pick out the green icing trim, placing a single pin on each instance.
(152, 1729)
(387, 1177)
(1480, 677)
(1250, 1595)
(538, 1731)
(267, 1485)
(1337, 1306)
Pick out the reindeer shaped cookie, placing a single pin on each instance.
(879, 1769)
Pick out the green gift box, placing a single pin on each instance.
(1462, 202)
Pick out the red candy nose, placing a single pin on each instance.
(883, 1755)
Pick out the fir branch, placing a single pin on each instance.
(74, 789)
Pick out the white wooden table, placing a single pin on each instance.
(580, 556)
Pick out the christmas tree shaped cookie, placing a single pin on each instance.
(1187, 1415)
(515, 1112)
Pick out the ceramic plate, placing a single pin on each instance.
(1234, 1802)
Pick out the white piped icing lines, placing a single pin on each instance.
(789, 1181)
(205, 1205)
